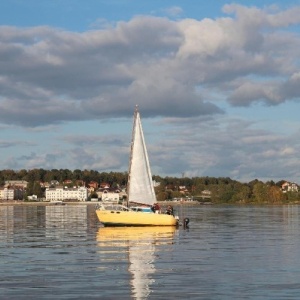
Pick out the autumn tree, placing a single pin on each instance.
(260, 192)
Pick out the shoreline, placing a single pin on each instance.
(19, 203)
(27, 203)
(162, 203)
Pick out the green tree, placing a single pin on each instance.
(22, 174)
(292, 196)
(243, 194)
(161, 196)
(29, 189)
(260, 192)
(77, 175)
(37, 190)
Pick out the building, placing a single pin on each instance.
(205, 194)
(16, 183)
(7, 193)
(60, 193)
(289, 187)
(67, 181)
(33, 198)
(104, 185)
(110, 196)
(19, 193)
(93, 184)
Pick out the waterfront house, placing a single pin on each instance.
(7, 193)
(289, 187)
(60, 193)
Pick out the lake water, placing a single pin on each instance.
(232, 252)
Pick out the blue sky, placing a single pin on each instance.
(217, 83)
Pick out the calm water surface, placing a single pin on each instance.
(62, 252)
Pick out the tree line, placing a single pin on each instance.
(225, 190)
(222, 189)
(61, 175)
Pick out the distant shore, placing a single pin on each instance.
(20, 203)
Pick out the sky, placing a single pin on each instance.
(217, 84)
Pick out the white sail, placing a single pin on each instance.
(140, 184)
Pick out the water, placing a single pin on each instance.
(233, 252)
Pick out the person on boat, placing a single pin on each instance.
(170, 210)
(155, 208)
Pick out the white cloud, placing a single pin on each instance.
(65, 76)
(181, 72)
(174, 11)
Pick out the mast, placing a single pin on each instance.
(131, 151)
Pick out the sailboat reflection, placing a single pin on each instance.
(142, 243)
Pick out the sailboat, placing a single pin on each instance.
(140, 189)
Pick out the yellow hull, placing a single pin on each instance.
(133, 218)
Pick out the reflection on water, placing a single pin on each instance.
(229, 252)
(46, 250)
(21, 217)
(140, 245)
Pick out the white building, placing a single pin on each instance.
(60, 193)
(32, 198)
(289, 187)
(110, 197)
(7, 194)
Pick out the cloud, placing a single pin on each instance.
(86, 159)
(51, 76)
(9, 144)
(32, 161)
(208, 149)
(106, 140)
(174, 11)
(186, 75)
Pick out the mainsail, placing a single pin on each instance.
(140, 184)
